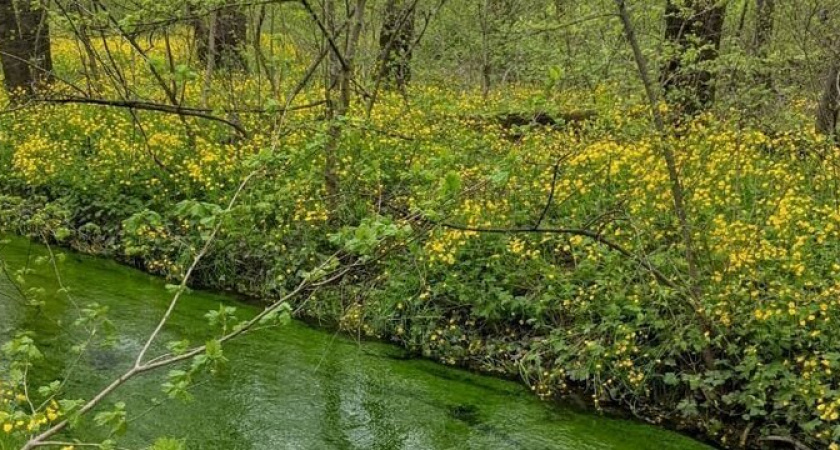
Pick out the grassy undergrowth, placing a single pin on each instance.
(525, 251)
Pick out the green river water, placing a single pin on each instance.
(293, 387)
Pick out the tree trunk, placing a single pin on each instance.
(693, 27)
(334, 110)
(486, 59)
(396, 41)
(209, 63)
(497, 19)
(677, 191)
(765, 12)
(829, 106)
(90, 60)
(229, 35)
(25, 52)
(341, 73)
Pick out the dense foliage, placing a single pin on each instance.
(550, 252)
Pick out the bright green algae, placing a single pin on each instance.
(294, 387)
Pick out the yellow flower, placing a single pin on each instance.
(7, 427)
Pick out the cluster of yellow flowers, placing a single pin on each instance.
(309, 211)
(762, 206)
(14, 419)
(38, 158)
(353, 321)
(829, 411)
(519, 247)
(444, 245)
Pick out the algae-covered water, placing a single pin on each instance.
(293, 387)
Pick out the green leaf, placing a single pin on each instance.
(114, 419)
(178, 347)
(50, 389)
(167, 444)
(173, 288)
(272, 106)
(213, 349)
(451, 184)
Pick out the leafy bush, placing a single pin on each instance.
(486, 263)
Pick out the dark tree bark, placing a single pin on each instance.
(829, 106)
(765, 13)
(692, 27)
(25, 53)
(229, 34)
(396, 41)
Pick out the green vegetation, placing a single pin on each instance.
(478, 193)
(292, 387)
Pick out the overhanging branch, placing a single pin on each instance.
(203, 113)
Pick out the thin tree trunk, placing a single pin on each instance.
(739, 33)
(333, 81)
(259, 54)
(90, 55)
(677, 190)
(486, 60)
(341, 73)
(210, 60)
(90, 58)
